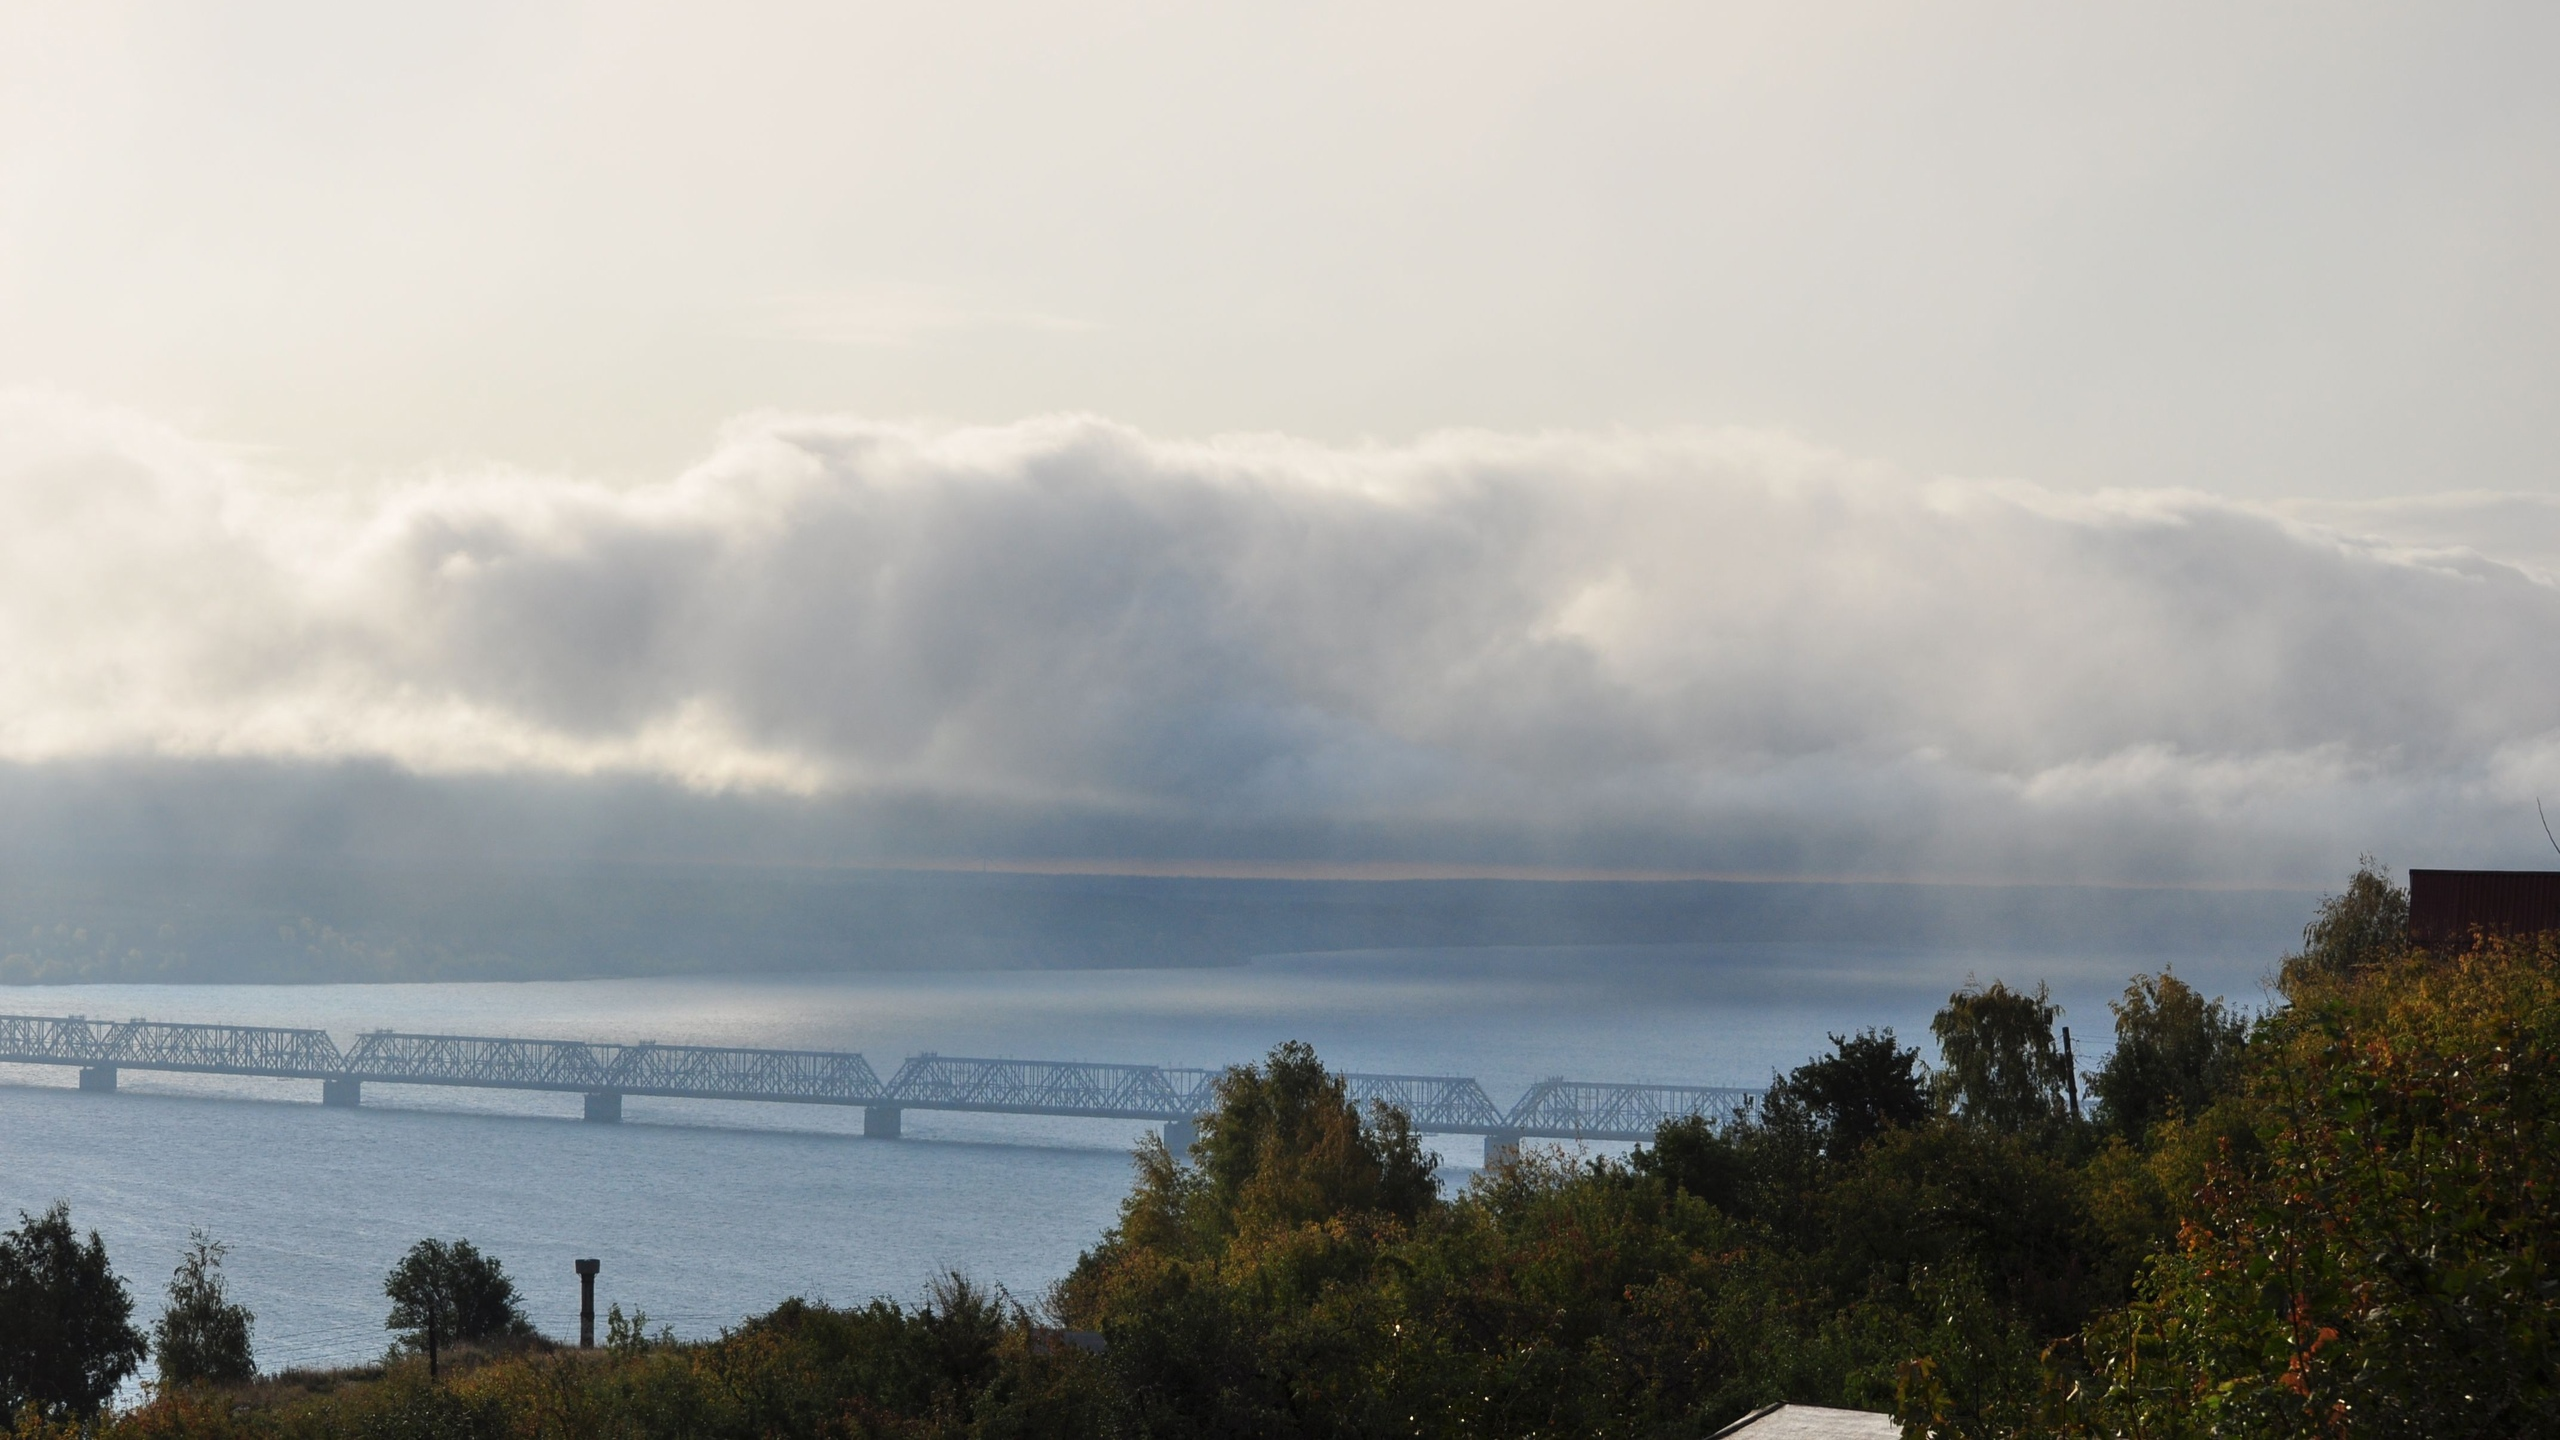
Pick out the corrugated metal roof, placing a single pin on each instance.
(2445, 906)
(1810, 1422)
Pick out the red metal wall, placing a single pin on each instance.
(2445, 905)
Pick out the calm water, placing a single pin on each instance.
(703, 1213)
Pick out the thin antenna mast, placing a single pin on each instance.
(2546, 824)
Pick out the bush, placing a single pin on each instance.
(203, 1336)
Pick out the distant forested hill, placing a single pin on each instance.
(91, 920)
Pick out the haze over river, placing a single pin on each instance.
(704, 1213)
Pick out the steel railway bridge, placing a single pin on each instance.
(604, 1073)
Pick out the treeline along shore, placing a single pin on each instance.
(2333, 1218)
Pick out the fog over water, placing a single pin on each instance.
(704, 1213)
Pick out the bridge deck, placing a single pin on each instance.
(1437, 1104)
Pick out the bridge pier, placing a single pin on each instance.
(1501, 1147)
(98, 1077)
(604, 1107)
(880, 1122)
(587, 1303)
(342, 1094)
(1180, 1136)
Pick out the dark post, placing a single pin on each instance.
(587, 1303)
(2071, 1073)
(434, 1309)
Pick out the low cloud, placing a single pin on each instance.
(1654, 651)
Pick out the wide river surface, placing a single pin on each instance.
(705, 1213)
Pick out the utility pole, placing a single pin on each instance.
(587, 1303)
(2071, 1074)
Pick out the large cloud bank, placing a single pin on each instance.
(1647, 650)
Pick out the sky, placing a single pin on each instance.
(2103, 443)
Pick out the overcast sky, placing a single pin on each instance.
(2098, 441)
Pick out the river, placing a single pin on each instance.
(703, 1213)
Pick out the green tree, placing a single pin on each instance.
(1240, 1294)
(66, 1322)
(1287, 1145)
(2362, 926)
(1692, 1154)
(1867, 1085)
(2382, 1265)
(203, 1335)
(443, 1292)
(2000, 1066)
(2175, 1051)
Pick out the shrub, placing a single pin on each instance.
(202, 1336)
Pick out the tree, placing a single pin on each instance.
(2382, 1265)
(1867, 1084)
(66, 1322)
(1286, 1145)
(1203, 1288)
(203, 1336)
(1689, 1153)
(2175, 1051)
(441, 1292)
(2366, 924)
(2001, 1068)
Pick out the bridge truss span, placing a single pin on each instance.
(158, 1045)
(1041, 1087)
(1439, 1104)
(728, 1072)
(1583, 1110)
(389, 1057)
(605, 1072)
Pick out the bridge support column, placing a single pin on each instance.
(98, 1077)
(604, 1107)
(1180, 1136)
(1501, 1147)
(587, 1303)
(342, 1094)
(880, 1122)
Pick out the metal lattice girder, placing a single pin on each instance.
(390, 1057)
(147, 1045)
(1049, 1087)
(151, 1045)
(51, 1039)
(1198, 1088)
(1580, 1110)
(736, 1073)
(1443, 1104)
(1439, 1103)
